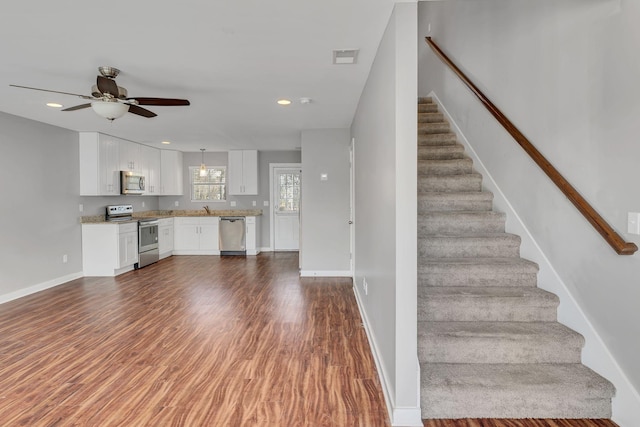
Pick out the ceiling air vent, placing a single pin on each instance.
(345, 56)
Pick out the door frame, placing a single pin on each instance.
(272, 202)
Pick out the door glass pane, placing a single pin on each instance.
(289, 192)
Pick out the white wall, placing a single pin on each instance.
(324, 216)
(39, 187)
(384, 129)
(566, 73)
(220, 158)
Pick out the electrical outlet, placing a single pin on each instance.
(233, 203)
(365, 286)
(253, 203)
(143, 204)
(65, 258)
(265, 203)
(81, 207)
(177, 203)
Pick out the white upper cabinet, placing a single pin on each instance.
(171, 173)
(99, 165)
(243, 172)
(132, 157)
(151, 159)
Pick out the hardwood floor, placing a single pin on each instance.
(519, 423)
(190, 341)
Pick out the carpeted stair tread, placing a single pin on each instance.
(513, 391)
(486, 304)
(471, 245)
(455, 201)
(427, 108)
(430, 117)
(459, 222)
(498, 342)
(453, 183)
(430, 139)
(425, 100)
(441, 152)
(477, 271)
(445, 167)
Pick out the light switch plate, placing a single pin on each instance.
(633, 224)
(233, 203)
(265, 203)
(253, 203)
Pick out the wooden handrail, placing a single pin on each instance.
(606, 231)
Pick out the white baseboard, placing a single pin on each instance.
(325, 273)
(595, 355)
(269, 249)
(406, 417)
(39, 287)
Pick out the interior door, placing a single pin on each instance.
(287, 194)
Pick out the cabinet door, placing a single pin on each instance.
(243, 172)
(127, 249)
(171, 173)
(152, 160)
(165, 240)
(250, 172)
(108, 166)
(186, 234)
(209, 234)
(234, 172)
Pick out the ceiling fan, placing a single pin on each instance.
(110, 100)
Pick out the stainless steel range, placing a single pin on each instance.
(147, 233)
(147, 242)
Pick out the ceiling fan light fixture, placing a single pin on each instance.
(110, 110)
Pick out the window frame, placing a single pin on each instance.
(192, 184)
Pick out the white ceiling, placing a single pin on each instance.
(232, 59)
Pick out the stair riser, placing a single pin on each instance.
(473, 201)
(448, 152)
(449, 183)
(509, 349)
(446, 403)
(430, 118)
(461, 278)
(433, 128)
(484, 310)
(437, 139)
(427, 108)
(445, 167)
(425, 100)
(449, 247)
(460, 225)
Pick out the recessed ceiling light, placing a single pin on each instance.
(54, 105)
(284, 102)
(166, 142)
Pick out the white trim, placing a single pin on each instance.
(325, 273)
(595, 354)
(39, 287)
(408, 417)
(269, 249)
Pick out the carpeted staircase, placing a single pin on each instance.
(488, 341)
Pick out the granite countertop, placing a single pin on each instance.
(95, 219)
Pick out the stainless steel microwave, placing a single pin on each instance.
(131, 183)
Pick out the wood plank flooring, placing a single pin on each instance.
(190, 341)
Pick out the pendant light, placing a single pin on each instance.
(203, 168)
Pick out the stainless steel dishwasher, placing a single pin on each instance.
(232, 236)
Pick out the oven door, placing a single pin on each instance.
(147, 236)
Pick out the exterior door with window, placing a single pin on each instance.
(287, 195)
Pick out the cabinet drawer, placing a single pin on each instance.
(128, 227)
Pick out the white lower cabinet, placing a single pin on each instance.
(109, 249)
(165, 237)
(196, 236)
(253, 230)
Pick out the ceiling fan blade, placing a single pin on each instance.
(109, 86)
(171, 102)
(77, 107)
(141, 111)
(54, 91)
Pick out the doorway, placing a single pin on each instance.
(286, 196)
